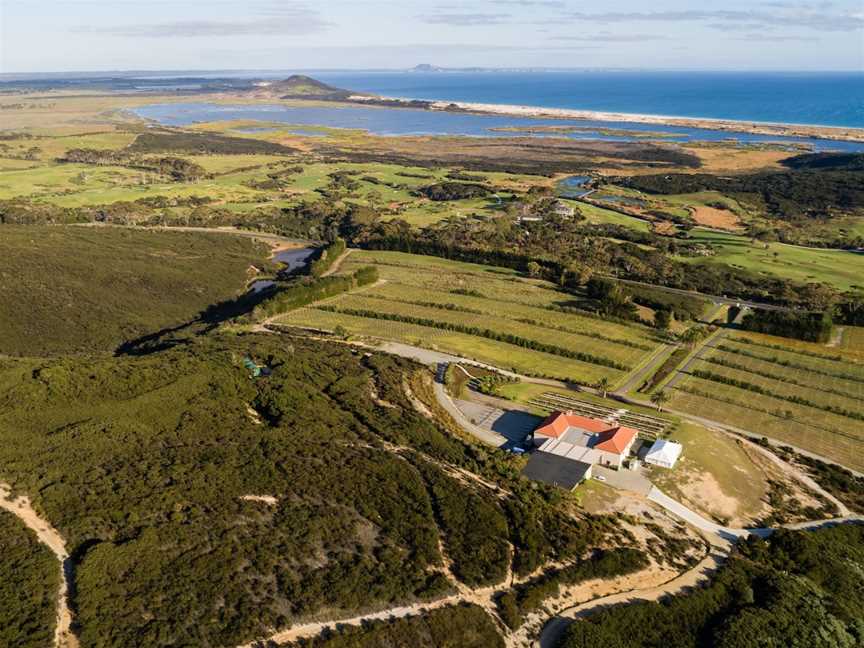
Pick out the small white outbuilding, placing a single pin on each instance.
(664, 453)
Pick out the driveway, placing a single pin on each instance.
(629, 480)
(510, 424)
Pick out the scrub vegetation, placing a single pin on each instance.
(29, 577)
(797, 588)
(161, 452)
(87, 289)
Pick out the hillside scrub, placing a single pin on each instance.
(799, 588)
(515, 605)
(463, 626)
(29, 580)
(161, 449)
(81, 289)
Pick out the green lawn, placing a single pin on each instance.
(839, 268)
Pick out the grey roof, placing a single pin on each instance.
(555, 470)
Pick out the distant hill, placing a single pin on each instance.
(303, 87)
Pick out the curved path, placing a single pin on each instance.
(51, 538)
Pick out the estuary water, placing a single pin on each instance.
(404, 121)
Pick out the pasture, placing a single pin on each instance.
(466, 309)
(808, 395)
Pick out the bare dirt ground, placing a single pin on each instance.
(717, 218)
(51, 538)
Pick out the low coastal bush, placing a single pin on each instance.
(515, 605)
(29, 579)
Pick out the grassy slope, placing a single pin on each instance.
(75, 289)
(841, 269)
(29, 578)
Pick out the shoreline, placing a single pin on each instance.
(814, 131)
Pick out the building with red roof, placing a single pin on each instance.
(584, 439)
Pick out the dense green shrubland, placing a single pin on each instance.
(515, 604)
(29, 580)
(463, 626)
(800, 588)
(159, 450)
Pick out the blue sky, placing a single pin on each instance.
(72, 35)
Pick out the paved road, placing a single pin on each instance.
(717, 299)
(635, 380)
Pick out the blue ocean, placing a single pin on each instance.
(824, 98)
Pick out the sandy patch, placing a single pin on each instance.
(270, 500)
(717, 218)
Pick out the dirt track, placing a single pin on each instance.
(51, 538)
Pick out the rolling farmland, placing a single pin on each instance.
(490, 314)
(809, 395)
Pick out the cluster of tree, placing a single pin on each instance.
(811, 327)
(443, 191)
(307, 290)
(489, 334)
(515, 604)
(786, 195)
(327, 257)
(799, 588)
(29, 580)
(177, 169)
(569, 254)
(612, 298)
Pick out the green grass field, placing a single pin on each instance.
(809, 400)
(839, 268)
(497, 299)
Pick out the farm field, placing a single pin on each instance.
(458, 307)
(808, 395)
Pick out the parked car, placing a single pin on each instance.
(599, 478)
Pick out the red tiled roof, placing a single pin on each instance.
(612, 438)
(615, 440)
(557, 423)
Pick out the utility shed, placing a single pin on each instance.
(556, 470)
(664, 453)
